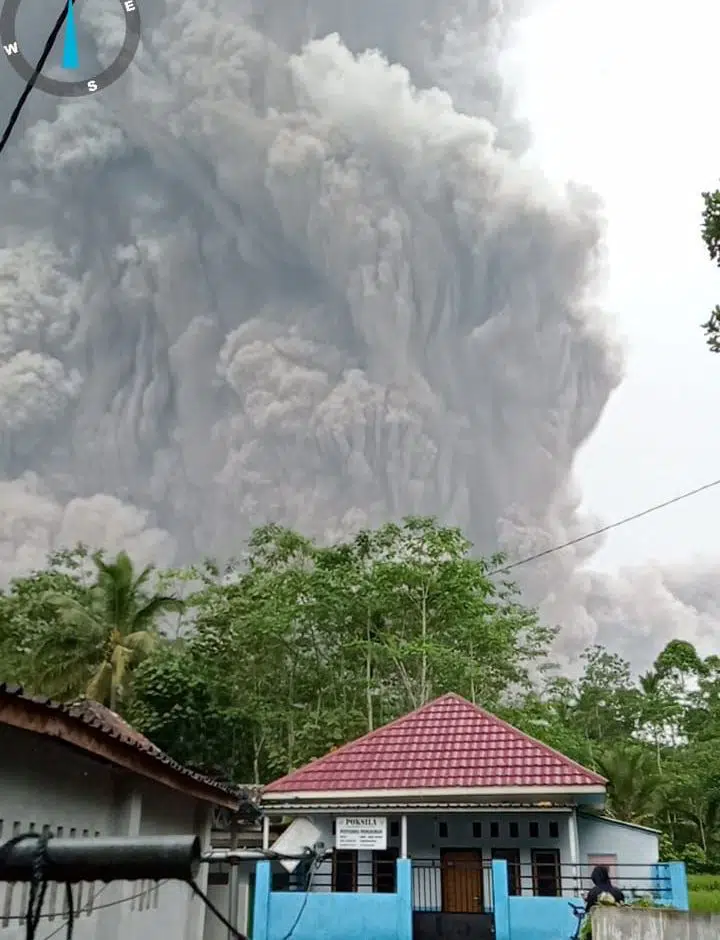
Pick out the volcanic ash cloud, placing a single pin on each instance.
(297, 266)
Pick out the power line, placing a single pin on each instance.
(34, 77)
(605, 528)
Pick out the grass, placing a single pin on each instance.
(704, 893)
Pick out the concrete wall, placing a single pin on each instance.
(238, 880)
(639, 924)
(47, 785)
(520, 918)
(637, 850)
(316, 916)
(425, 844)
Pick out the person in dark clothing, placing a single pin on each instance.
(602, 885)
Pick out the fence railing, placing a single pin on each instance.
(551, 879)
(460, 886)
(465, 885)
(339, 872)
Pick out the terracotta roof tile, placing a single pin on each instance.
(445, 744)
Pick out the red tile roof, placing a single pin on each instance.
(446, 744)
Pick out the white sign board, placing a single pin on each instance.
(361, 832)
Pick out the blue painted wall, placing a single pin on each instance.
(518, 918)
(337, 916)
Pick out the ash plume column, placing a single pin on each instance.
(292, 266)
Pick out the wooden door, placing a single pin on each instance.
(462, 878)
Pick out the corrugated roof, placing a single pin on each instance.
(111, 726)
(448, 743)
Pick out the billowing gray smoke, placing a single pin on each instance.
(296, 266)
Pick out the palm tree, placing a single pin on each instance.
(635, 787)
(94, 644)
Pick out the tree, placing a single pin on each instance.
(95, 640)
(305, 646)
(711, 237)
(27, 612)
(635, 787)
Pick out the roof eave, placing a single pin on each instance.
(470, 795)
(41, 718)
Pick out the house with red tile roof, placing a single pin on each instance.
(461, 799)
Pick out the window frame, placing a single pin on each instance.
(389, 857)
(555, 864)
(351, 856)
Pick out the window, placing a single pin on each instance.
(344, 876)
(534, 830)
(546, 873)
(442, 830)
(494, 830)
(384, 871)
(477, 830)
(554, 830)
(514, 830)
(395, 829)
(512, 857)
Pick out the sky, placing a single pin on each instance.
(620, 97)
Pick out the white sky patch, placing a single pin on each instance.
(621, 96)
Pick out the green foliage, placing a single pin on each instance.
(711, 237)
(704, 891)
(81, 626)
(295, 648)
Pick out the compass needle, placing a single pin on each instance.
(70, 59)
(65, 32)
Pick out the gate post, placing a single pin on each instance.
(261, 911)
(501, 899)
(403, 868)
(679, 897)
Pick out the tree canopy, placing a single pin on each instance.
(297, 647)
(711, 237)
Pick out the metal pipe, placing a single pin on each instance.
(156, 858)
(244, 855)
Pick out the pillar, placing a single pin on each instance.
(261, 909)
(679, 897)
(501, 899)
(404, 899)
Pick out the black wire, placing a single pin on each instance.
(220, 916)
(311, 874)
(38, 883)
(606, 528)
(34, 77)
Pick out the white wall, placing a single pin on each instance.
(219, 894)
(425, 844)
(637, 850)
(44, 784)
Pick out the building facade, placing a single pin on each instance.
(81, 771)
(468, 828)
